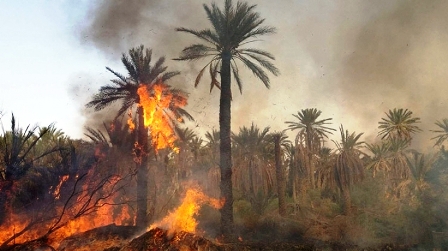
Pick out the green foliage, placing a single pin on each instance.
(349, 168)
(442, 132)
(232, 27)
(398, 124)
(22, 149)
(312, 130)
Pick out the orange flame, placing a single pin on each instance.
(183, 217)
(156, 103)
(102, 216)
(130, 122)
(57, 190)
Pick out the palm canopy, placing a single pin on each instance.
(232, 27)
(380, 159)
(349, 165)
(249, 140)
(309, 126)
(124, 88)
(399, 123)
(442, 132)
(420, 164)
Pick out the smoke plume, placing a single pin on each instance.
(354, 60)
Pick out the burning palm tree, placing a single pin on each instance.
(233, 27)
(158, 107)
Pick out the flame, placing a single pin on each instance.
(183, 217)
(57, 190)
(103, 215)
(157, 103)
(130, 122)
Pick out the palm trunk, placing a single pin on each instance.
(281, 184)
(310, 157)
(347, 201)
(225, 148)
(142, 172)
(251, 180)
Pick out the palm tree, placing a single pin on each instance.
(125, 89)
(212, 145)
(324, 170)
(23, 149)
(389, 157)
(252, 174)
(442, 132)
(398, 150)
(349, 166)
(186, 137)
(420, 165)
(313, 131)
(280, 140)
(232, 27)
(380, 161)
(398, 124)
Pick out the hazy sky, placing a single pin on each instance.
(352, 59)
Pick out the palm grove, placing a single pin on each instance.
(258, 171)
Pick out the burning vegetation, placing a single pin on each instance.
(148, 182)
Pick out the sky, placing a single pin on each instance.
(352, 59)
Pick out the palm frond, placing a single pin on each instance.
(442, 132)
(263, 62)
(256, 70)
(196, 51)
(206, 35)
(259, 52)
(236, 75)
(213, 71)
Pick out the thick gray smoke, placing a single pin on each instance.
(354, 60)
(398, 60)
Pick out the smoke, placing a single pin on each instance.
(354, 60)
(397, 60)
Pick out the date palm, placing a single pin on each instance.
(419, 165)
(232, 28)
(22, 150)
(380, 161)
(280, 141)
(125, 89)
(252, 176)
(349, 167)
(398, 124)
(442, 132)
(313, 130)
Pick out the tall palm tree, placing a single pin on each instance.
(232, 27)
(442, 132)
(313, 131)
(125, 89)
(398, 124)
(280, 141)
(349, 166)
